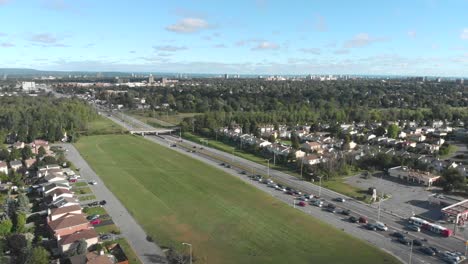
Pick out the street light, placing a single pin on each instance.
(190, 246)
(320, 185)
(411, 252)
(268, 170)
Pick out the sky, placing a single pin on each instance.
(398, 37)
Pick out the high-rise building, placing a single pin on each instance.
(151, 79)
(226, 76)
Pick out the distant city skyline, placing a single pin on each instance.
(418, 38)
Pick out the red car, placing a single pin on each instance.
(72, 180)
(301, 203)
(96, 221)
(363, 220)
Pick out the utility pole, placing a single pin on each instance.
(411, 252)
(268, 168)
(302, 165)
(320, 186)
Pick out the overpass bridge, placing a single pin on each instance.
(159, 131)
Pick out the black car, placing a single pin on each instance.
(404, 241)
(103, 202)
(436, 250)
(417, 242)
(243, 172)
(427, 251)
(228, 166)
(93, 204)
(353, 219)
(370, 226)
(346, 212)
(222, 164)
(173, 145)
(398, 235)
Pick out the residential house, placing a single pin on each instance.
(68, 172)
(36, 144)
(65, 242)
(312, 159)
(15, 165)
(64, 201)
(28, 163)
(53, 186)
(402, 134)
(68, 224)
(3, 167)
(58, 194)
(263, 143)
(299, 154)
(311, 146)
(56, 213)
(55, 177)
(350, 146)
(18, 145)
(117, 251)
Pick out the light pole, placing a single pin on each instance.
(302, 165)
(268, 167)
(320, 185)
(190, 246)
(411, 252)
(378, 212)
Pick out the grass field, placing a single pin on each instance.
(178, 199)
(337, 185)
(102, 126)
(87, 197)
(161, 119)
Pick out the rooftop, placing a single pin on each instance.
(66, 222)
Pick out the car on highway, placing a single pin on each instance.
(371, 226)
(222, 164)
(404, 241)
(427, 251)
(381, 226)
(436, 250)
(363, 220)
(296, 192)
(340, 199)
(228, 166)
(243, 172)
(417, 242)
(96, 221)
(345, 212)
(331, 208)
(301, 203)
(272, 185)
(317, 203)
(353, 219)
(173, 145)
(280, 187)
(397, 234)
(413, 228)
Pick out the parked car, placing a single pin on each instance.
(93, 217)
(417, 242)
(353, 219)
(73, 180)
(345, 212)
(92, 182)
(93, 204)
(102, 202)
(404, 241)
(397, 234)
(413, 228)
(105, 237)
(301, 203)
(96, 221)
(363, 220)
(427, 251)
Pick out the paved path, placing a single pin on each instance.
(148, 252)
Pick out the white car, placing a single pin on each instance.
(93, 182)
(381, 226)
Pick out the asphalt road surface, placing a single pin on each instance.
(147, 252)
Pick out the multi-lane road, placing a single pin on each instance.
(380, 239)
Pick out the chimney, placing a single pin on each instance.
(58, 237)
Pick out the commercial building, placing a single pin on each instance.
(404, 173)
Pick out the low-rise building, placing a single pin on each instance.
(68, 224)
(405, 173)
(56, 213)
(3, 167)
(15, 165)
(65, 242)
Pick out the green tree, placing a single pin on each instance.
(26, 152)
(41, 152)
(15, 154)
(393, 130)
(20, 222)
(452, 180)
(5, 227)
(22, 203)
(38, 255)
(380, 131)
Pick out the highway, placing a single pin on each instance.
(380, 239)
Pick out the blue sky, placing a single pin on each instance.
(417, 37)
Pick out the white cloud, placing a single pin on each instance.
(220, 46)
(7, 45)
(188, 25)
(341, 51)
(464, 34)
(412, 34)
(169, 48)
(320, 23)
(362, 40)
(315, 51)
(46, 40)
(265, 45)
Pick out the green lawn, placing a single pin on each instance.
(128, 250)
(81, 190)
(102, 126)
(95, 210)
(87, 197)
(178, 199)
(80, 184)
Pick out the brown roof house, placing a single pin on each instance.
(56, 213)
(68, 241)
(68, 224)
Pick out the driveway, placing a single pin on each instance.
(148, 252)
